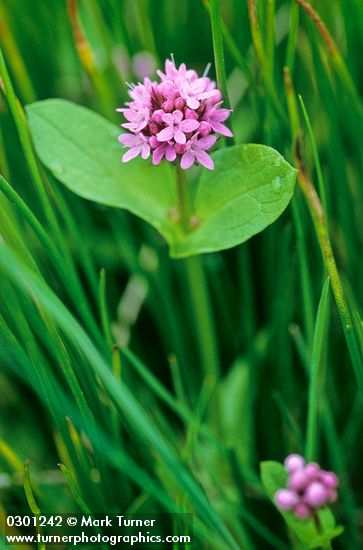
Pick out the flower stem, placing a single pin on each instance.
(202, 312)
(326, 544)
(182, 197)
(198, 291)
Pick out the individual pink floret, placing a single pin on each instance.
(214, 116)
(302, 511)
(299, 480)
(286, 499)
(330, 479)
(177, 118)
(176, 128)
(315, 495)
(312, 471)
(294, 462)
(139, 145)
(196, 151)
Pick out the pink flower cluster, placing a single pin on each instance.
(176, 118)
(309, 487)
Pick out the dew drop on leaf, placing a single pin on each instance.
(277, 185)
(58, 168)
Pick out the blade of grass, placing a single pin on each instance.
(105, 321)
(315, 385)
(293, 29)
(17, 63)
(304, 272)
(319, 173)
(86, 56)
(32, 503)
(216, 22)
(262, 59)
(270, 36)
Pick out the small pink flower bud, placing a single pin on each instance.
(298, 480)
(154, 128)
(154, 143)
(302, 511)
(158, 116)
(312, 471)
(204, 128)
(294, 462)
(179, 148)
(189, 113)
(179, 103)
(168, 105)
(329, 479)
(315, 495)
(286, 499)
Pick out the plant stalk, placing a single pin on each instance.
(182, 198)
(198, 290)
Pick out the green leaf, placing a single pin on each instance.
(81, 149)
(235, 404)
(274, 477)
(248, 190)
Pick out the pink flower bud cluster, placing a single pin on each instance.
(176, 118)
(308, 489)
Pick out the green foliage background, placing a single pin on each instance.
(151, 429)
